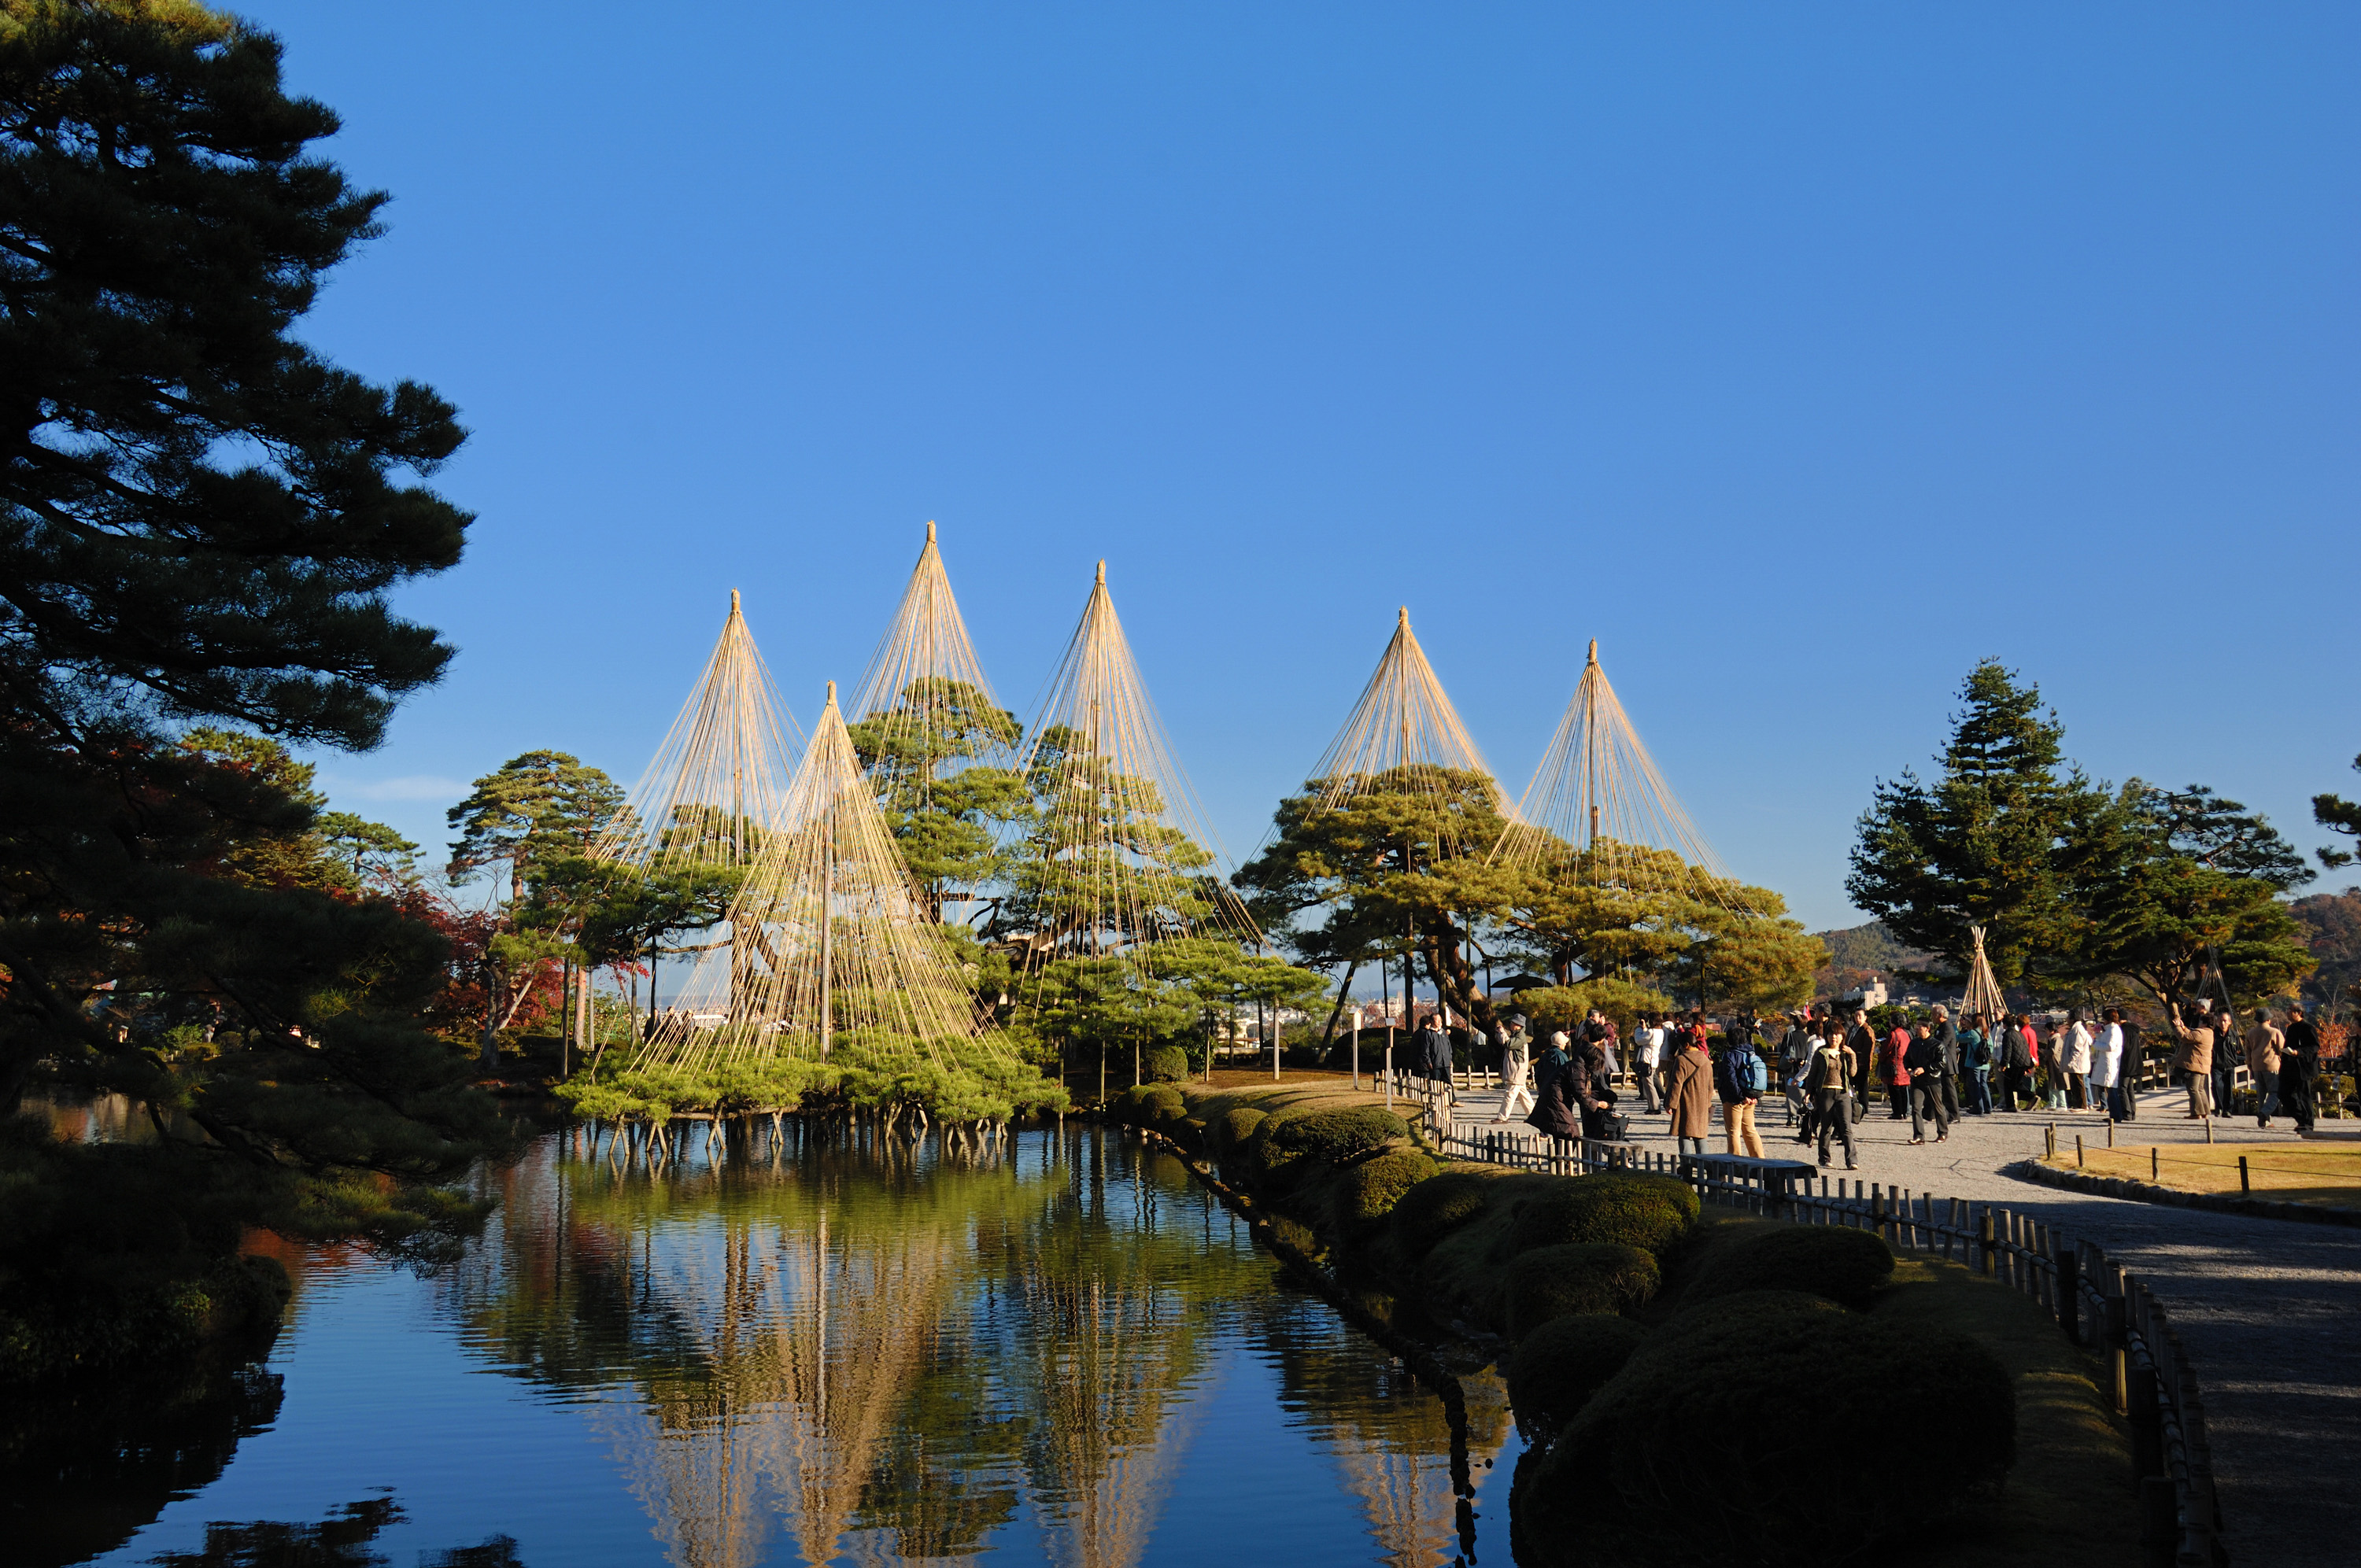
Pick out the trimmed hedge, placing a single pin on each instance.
(1374, 1187)
(1563, 1362)
(1148, 1105)
(1340, 1136)
(1576, 1277)
(1435, 1208)
(1769, 1383)
(1652, 1212)
(1167, 1064)
(1231, 1129)
(1845, 1266)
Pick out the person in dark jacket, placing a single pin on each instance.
(1829, 1077)
(1433, 1050)
(1926, 1093)
(1588, 1089)
(2299, 1070)
(1796, 1047)
(1555, 1110)
(1550, 1064)
(1862, 1041)
(2017, 1064)
(1946, 1041)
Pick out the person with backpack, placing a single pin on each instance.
(1743, 1078)
(1975, 1052)
(1830, 1076)
(1925, 1086)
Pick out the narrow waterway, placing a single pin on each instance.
(1061, 1350)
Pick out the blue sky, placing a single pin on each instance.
(1802, 355)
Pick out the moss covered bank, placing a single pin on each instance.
(1698, 1389)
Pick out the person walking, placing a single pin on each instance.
(1945, 1039)
(1743, 1078)
(1434, 1063)
(2127, 1070)
(2194, 1059)
(2228, 1056)
(1861, 1040)
(2299, 1070)
(1691, 1092)
(2078, 1062)
(1647, 1053)
(1796, 1047)
(1830, 1075)
(2017, 1064)
(2053, 1065)
(1516, 1063)
(2265, 1048)
(1925, 1086)
(1555, 1111)
(2106, 1064)
(1897, 1076)
(1975, 1056)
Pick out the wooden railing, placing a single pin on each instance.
(2098, 1304)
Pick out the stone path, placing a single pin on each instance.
(2270, 1309)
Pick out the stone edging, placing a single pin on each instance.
(2033, 1170)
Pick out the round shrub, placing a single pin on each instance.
(1374, 1186)
(1576, 1277)
(1563, 1362)
(1435, 1208)
(1341, 1137)
(1766, 1384)
(1167, 1064)
(1649, 1211)
(1129, 1109)
(1232, 1128)
(1844, 1265)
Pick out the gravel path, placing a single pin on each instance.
(2270, 1310)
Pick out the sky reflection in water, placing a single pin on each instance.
(1065, 1353)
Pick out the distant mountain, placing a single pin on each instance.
(1871, 947)
(1860, 954)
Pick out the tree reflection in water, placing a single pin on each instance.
(839, 1352)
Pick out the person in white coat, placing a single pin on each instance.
(2078, 1063)
(1647, 1052)
(1516, 1052)
(2107, 1066)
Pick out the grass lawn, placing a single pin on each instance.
(2299, 1173)
(2070, 1496)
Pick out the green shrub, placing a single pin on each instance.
(1374, 1186)
(1563, 1362)
(1652, 1212)
(1233, 1127)
(1340, 1136)
(1129, 1108)
(1576, 1277)
(1167, 1064)
(1435, 1208)
(1844, 1265)
(1768, 1384)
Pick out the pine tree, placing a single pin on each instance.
(1980, 845)
(200, 521)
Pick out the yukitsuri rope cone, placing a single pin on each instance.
(718, 781)
(1983, 988)
(1126, 858)
(1403, 735)
(1598, 801)
(925, 676)
(831, 942)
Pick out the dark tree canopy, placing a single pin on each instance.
(200, 521)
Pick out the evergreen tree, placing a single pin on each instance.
(200, 521)
(2165, 883)
(947, 810)
(1980, 845)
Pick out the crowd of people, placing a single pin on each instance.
(1830, 1067)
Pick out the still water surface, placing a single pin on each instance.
(1064, 1351)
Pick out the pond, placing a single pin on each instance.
(1058, 1348)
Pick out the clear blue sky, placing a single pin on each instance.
(1802, 355)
